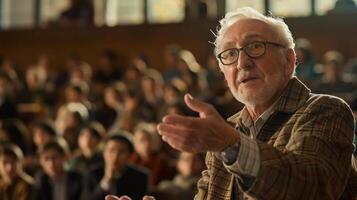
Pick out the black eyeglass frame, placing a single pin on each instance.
(238, 50)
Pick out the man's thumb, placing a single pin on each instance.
(199, 106)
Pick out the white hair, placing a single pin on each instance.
(284, 34)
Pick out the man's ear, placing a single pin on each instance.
(291, 60)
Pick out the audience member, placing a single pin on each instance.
(147, 154)
(332, 82)
(183, 186)
(15, 131)
(88, 154)
(108, 70)
(171, 57)
(305, 69)
(14, 183)
(54, 182)
(43, 131)
(8, 105)
(80, 13)
(69, 121)
(117, 176)
(151, 95)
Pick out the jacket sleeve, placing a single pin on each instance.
(202, 184)
(314, 162)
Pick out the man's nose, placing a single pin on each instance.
(244, 62)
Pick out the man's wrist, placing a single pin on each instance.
(230, 154)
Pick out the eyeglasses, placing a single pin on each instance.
(253, 50)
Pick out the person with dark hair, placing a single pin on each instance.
(117, 176)
(108, 70)
(343, 7)
(42, 132)
(80, 13)
(8, 105)
(54, 182)
(14, 183)
(88, 154)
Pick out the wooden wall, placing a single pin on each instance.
(23, 46)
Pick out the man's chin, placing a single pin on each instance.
(253, 99)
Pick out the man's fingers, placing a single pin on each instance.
(178, 139)
(148, 198)
(199, 106)
(164, 129)
(184, 121)
(113, 197)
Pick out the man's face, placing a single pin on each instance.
(40, 136)
(256, 81)
(116, 154)
(8, 167)
(52, 163)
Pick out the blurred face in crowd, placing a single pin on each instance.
(32, 79)
(143, 143)
(104, 63)
(170, 95)
(331, 73)
(52, 163)
(148, 84)
(9, 166)
(72, 95)
(40, 136)
(66, 120)
(170, 58)
(189, 164)
(132, 74)
(87, 142)
(256, 81)
(116, 155)
(77, 75)
(212, 62)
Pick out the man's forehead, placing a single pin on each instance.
(246, 36)
(248, 29)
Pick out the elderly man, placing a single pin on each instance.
(287, 142)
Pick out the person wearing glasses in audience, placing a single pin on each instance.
(287, 142)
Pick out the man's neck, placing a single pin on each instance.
(255, 111)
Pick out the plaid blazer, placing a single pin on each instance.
(305, 152)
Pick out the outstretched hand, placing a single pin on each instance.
(208, 132)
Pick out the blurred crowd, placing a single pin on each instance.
(87, 130)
